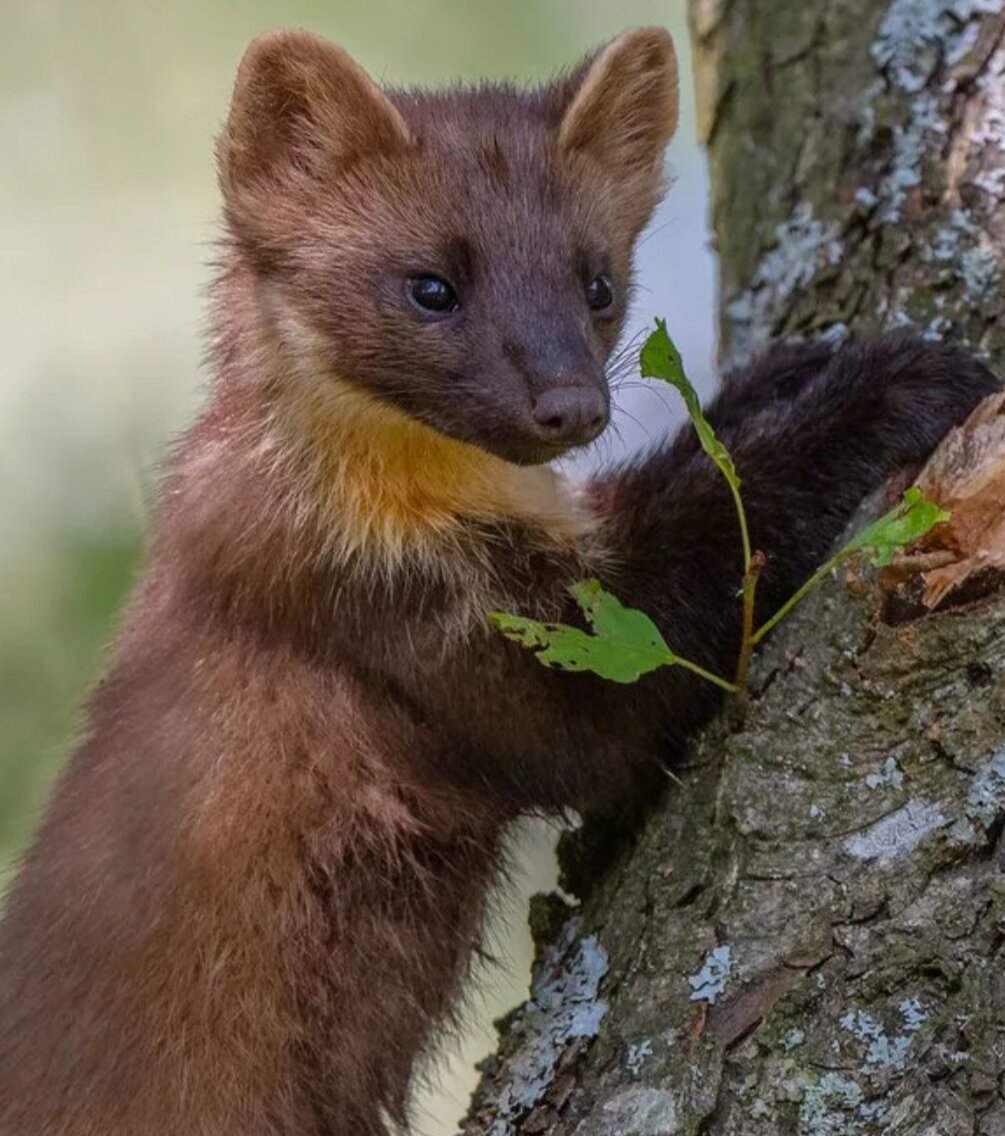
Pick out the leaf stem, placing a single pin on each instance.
(707, 675)
(750, 578)
(741, 516)
(791, 602)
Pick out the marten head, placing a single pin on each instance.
(464, 256)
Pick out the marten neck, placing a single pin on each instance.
(392, 490)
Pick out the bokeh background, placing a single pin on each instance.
(108, 214)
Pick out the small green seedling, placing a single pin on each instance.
(623, 643)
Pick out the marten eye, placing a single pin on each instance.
(432, 294)
(600, 293)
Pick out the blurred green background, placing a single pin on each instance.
(108, 214)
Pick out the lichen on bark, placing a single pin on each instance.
(806, 937)
(857, 152)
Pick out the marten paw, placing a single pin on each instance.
(907, 391)
(780, 374)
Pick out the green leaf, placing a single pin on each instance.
(624, 644)
(914, 516)
(660, 359)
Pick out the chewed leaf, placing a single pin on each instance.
(611, 620)
(660, 359)
(912, 518)
(624, 645)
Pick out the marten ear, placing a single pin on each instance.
(624, 107)
(301, 105)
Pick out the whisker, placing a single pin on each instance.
(656, 230)
(645, 429)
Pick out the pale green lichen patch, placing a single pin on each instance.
(917, 40)
(890, 775)
(989, 136)
(881, 1050)
(710, 981)
(910, 144)
(916, 35)
(950, 239)
(564, 1007)
(637, 1054)
(913, 1014)
(981, 273)
(802, 245)
(834, 1106)
(986, 798)
(897, 834)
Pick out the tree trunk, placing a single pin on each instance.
(807, 935)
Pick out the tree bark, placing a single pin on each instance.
(807, 935)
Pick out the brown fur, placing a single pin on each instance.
(255, 893)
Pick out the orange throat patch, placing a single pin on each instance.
(394, 487)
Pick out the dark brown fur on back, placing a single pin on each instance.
(255, 894)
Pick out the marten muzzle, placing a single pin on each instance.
(570, 415)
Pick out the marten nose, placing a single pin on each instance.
(572, 416)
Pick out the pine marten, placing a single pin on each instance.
(255, 892)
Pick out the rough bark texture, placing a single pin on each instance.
(807, 936)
